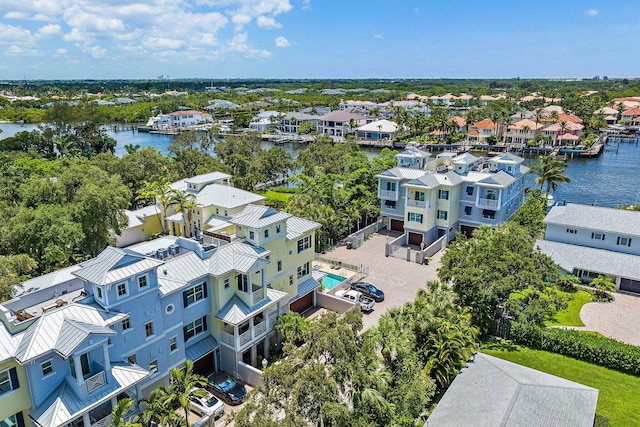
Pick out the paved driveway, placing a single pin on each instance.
(397, 278)
(619, 319)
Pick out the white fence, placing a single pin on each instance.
(356, 239)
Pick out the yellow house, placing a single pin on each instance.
(15, 400)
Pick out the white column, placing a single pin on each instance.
(251, 328)
(236, 336)
(107, 362)
(249, 283)
(86, 420)
(78, 367)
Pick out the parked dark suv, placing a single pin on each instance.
(226, 388)
(369, 290)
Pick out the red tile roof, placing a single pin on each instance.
(485, 124)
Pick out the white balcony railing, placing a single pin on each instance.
(258, 296)
(488, 203)
(227, 338)
(245, 337)
(96, 381)
(105, 422)
(417, 203)
(273, 317)
(259, 328)
(388, 194)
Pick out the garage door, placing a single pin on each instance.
(468, 231)
(303, 303)
(204, 365)
(415, 238)
(630, 285)
(397, 225)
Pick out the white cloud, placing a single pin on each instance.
(60, 52)
(267, 22)
(306, 4)
(377, 36)
(282, 42)
(76, 35)
(15, 50)
(239, 44)
(49, 30)
(96, 52)
(591, 12)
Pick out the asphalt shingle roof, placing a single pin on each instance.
(608, 220)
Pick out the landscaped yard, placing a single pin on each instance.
(571, 315)
(618, 398)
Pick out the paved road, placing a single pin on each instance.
(399, 279)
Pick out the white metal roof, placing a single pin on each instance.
(297, 227)
(621, 221)
(236, 256)
(402, 173)
(257, 216)
(235, 311)
(47, 280)
(382, 125)
(226, 196)
(114, 264)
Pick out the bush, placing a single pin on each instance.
(287, 190)
(591, 348)
(568, 283)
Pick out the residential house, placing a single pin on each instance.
(76, 341)
(429, 198)
(486, 99)
(378, 130)
(522, 131)
(265, 120)
(460, 123)
(142, 224)
(630, 114)
(564, 133)
(610, 114)
(337, 124)
(588, 241)
(480, 131)
(291, 122)
(179, 119)
(362, 105)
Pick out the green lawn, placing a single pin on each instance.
(274, 195)
(618, 399)
(571, 316)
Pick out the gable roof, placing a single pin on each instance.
(380, 126)
(236, 311)
(115, 264)
(608, 220)
(491, 392)
(256, 216)
(485, 124)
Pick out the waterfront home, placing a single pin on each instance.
(290, 122)
(589, 241)
(609, 114)
(564, 133)
(264, 120)
(460, 123)
(562, 117)
(76, 341)
(179, 119)
(378, 130)
(428, 198)
(630, 114)
(480, 131)
(522, 131)
(337, 124)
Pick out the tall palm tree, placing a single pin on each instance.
(118, 414)
(158, 191)
(550, 170)
(157, 412)
(184, 203)
(183, 381)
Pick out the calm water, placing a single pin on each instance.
(613, 179)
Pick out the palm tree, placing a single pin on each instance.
(118, 413)
(183, 381)
(157, 411)
(185, 203)
(157, 191)
(292, 327)
(550, 170)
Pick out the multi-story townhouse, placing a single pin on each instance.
(436, 197)
(76, 341)
(291, 122)
(522, 131)
(589, 241)
(566, 133)
(480, 131)
(337, 124)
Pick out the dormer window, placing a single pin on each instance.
(99, 292)
(252, 235)
(266, 233)
(122, 290)
(142, 282)
(278, 228)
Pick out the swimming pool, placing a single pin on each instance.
(330, 281)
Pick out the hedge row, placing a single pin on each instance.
(579, 345)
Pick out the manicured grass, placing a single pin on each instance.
(571, 315)
(618, 398)
(274, 195)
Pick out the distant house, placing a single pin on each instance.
(588, 241)
(480, 131)
(264, 120)
(125, 101)
(336, 123)
(291, 122)
(378, 130)
(522, 131)
(491, 392)
(460, 123)
(630, 114)
(179, 119)
(568, 133)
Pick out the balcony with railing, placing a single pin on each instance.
(245, 337)
(260, 328)
(487, 203)
(388, 194)
(417, 203)
(258, 295)
(95, 381)
(104, 422)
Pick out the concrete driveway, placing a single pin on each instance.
(397, 278)
(618, 319)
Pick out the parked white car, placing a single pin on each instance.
(206, 404)
(365, 303)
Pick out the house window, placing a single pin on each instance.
(469, 190)
(84, 365)
(132, 359)
(99, 292)
(11, 421)
(126, 324)
(418, 196)
(173, 344)
(597, 236)
(414, 217)
(8, 380)
(142, 282)
(443, 194)
(467, 210)
(122, 290)
(243, 282)
(153, 366)
(279, 265)
(391, 186)
(572, 231)
(148, 329)
(194, 294)
(226, 283)
(291, 280)
(47, 368)
(266, 233)
(488, 214)
(442, 215)
(391, 204)
(304, 244)
(624, 241)
(225, 213)
(303, 270)
(196, 327)
(278, 228)
(252, 235)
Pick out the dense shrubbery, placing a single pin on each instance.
(580, 345)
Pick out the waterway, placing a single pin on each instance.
(612, 179)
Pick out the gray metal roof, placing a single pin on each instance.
(308, 285)
(201, 348)
(47, 280)
(256, 216)
(235, 311)
(500, 179)
(114, 264)
(402, 173)
(491, 392)
(8, 343)
(297, 227)
(179, 271)
(226, 196)
(595, 260)
(53, 329)
(236, 256)
(63, 405)
(428, 180)
(464, 158)
(621, 221)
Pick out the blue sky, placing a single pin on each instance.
(68, 39)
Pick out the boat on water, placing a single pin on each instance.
(550, 201)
